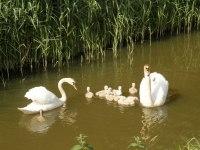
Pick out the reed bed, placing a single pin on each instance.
(41, 33)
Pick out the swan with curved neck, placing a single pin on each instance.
(153, 89)
(44, 100)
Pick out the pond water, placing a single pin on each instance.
(108, 125)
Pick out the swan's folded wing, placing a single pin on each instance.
(41, 95)
(159, 89)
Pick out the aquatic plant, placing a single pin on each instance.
(38, 33)
(137, 143)
(192, 144)
(82, 144)
(3, 80)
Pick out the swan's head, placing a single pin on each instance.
(88, 89)
(72, 82)
(108, 91)
(146, 70)
(133, 84)
(119, 88)
(105, 87)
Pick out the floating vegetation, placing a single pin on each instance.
(38, 33)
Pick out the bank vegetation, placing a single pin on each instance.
(41, 33)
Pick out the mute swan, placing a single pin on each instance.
(102, 91)
(133, 90)
(108, 96)
(153, 89)
(44, 100)
(89, 94)
(116, 97)
(126, 101)
(103, 94)
(118, 92)
(134, 98)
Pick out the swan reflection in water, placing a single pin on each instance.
(151, 118)
(33, 125)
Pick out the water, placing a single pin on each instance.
(108, 125)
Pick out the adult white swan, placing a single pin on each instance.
(44, 100)
(153, 89)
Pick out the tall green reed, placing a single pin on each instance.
(37, 33)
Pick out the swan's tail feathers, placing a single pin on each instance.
(27, 111)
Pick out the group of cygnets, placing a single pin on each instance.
(110, 94)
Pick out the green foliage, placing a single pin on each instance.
(38, 33)
(192, 144)
(138, 144)
(82, 144)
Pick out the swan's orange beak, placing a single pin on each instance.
(148, 73)
(74, 85)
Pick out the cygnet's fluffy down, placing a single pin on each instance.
(133, 90)
(118, 92)
(109, 96)
(127, 101)
(134, 98)
(102, 92)
(89, 94)
(116, 97)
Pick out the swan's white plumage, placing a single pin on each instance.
(153, 89)
(45, 100)
(40, 95)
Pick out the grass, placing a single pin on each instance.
(39, 33)
(192, 144)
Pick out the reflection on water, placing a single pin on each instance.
(188, 57)
(33, 125)
(151, 118)
(109, 124)
(89, 100)
(68, 117)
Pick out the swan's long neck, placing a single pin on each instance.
(63, 94)
(148, 85)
